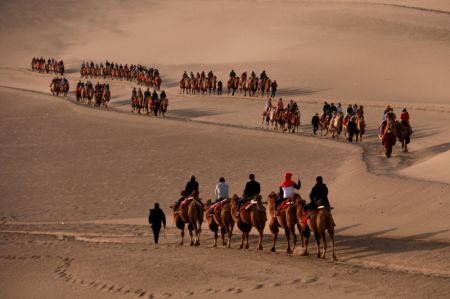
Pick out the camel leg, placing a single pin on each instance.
(191, 237)
(182, 236)
(274, 239)
(294, 238)
(324, 239)
(317, 237)
(288, 238)
(260, 247)
(273, 225)
(242, 241)
(197, 233)
(331, 235)
(230, 233)
(215, 239)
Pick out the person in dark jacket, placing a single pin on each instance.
(351, 127)
(315, 121)
(252, 188)
(319, 191)
(155, 219)
(191, 186)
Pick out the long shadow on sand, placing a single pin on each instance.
(298, 91)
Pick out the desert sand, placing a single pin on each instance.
(76, 182)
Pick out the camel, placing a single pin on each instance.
(253, 216)
(403, 135)
(221, 218)
(324, 123)
(287, 219)
(318, 223)
(164, 103)
(335, 126)
(388, 134)
(233, 85)
(360, 128)
(191, 214)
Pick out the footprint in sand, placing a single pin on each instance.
(310, 279)
(237, 291)
(275, 285)
(188, 293)
(293, 281)
(258, 286)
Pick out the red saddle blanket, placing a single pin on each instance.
(186, 201)
(248, 204)
(307, 215)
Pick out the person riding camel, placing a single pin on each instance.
(163, 95)
(263, 76)
(232, 74)
(404, 119)
(319, 193)
(185, 75)
(147, 94)
(360, 112)
(252, 188)
(267, 105)
(280, 104)
(289, 105)
(295, 107)
(191, 186)
(210, 74)
(326, 108)
(253, 75)
(287, 187)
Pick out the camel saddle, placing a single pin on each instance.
(249, 204)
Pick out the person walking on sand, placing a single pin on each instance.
(155, 219)
(315, 121)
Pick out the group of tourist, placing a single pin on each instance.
(200, 83)
(286, 117)
(252, 189)
(143, 75)
(149, 102)
(59, 86)
(86, 91)
(252, 85)
(335, 119)
(49, 65)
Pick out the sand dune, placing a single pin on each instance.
(76, 182)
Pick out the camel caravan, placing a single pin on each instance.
(252, 85)
(143, 75)
(292, 214)
(285, 119)
(333, 123)
(47, 66)
(149, 102)
(200, 84)
(391, 129)
(59, 86)
(99, 96)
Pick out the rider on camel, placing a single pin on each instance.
(191, 186)
(252, 188)
(232, 74)
(267, 106)
(280, 104)
(404, 118)
(263, 76)
(287, 187)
